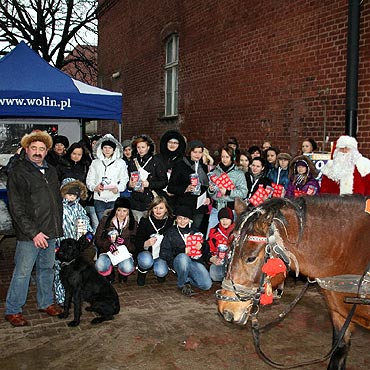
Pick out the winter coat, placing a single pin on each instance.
(311, 181)
(238, 178)
(157, 179)
(35, 202)
(253, 184)
(218, 235)
(113, 169)
(279, 176)
(102, 241)
(180, 180)
(53, 158)
(73, 211)
(75, 170)
(173, 244)
(167, 157)
(146, 229)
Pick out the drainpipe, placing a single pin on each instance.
(352, 66)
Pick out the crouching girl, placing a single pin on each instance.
(115, 230)
(188, 262)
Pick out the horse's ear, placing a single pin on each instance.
(239, 206)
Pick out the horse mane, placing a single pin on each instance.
(272, 209)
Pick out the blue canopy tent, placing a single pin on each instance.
(33, 91)
(30, 87)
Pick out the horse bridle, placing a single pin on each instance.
(241, 292)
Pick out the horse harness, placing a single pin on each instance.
(243, 294)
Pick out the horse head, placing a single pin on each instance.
(253, 244)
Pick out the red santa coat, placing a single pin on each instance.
(359, 184)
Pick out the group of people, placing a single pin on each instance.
(161, 212)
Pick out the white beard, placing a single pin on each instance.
(342, 169)
(343, 166)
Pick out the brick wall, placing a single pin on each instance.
(252, 69)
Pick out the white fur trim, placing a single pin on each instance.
(346, 186)
(363, 166)
(346, 141)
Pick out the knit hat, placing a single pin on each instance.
(184, 211)
(225, 212)
(72, 186)
(74, 190)
(301, 163)
(286, 156)
(194, 144)
(126, 143)
(346, 141)
(37, 135)
(60, 139)
(110, 143)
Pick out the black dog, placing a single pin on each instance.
(82, 282)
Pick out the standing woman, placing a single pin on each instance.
(74, 164)
(152, 175)
(244, 161)
(180, 185)
(121, 221)
(107, 175)
(149, 237)
(302, 177)
(257, 176)
(225, 197)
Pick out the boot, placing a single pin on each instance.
(122, 278)
(112, 277)
(141, 276)
(161, 279)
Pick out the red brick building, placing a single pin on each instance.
(252, 69)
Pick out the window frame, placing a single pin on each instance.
(171, 68)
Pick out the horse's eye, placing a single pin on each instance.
(250, 259)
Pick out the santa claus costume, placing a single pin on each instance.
(346, 173)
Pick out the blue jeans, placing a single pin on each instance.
(101, 207)
(103, 265)
(26, 255)
(145, 262)
(190, 271)
(217, 272)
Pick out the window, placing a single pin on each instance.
(171, 75)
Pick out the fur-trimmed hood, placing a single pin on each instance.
(70, 183)
(98, 153)
(302, 158)
(168, 135)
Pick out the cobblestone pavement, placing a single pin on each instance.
(158, 328)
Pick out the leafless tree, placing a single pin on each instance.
(61, 31)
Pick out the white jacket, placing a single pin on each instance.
(113, 170)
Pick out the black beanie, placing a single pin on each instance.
(184, 211)
(61, 139)
(110, 143)
(226, 213)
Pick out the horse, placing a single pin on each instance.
(316, 236)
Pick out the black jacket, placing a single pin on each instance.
(35, 202)
(145, 229)
(157, 179)
(179, 181)
(173, 244)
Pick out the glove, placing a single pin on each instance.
(113, 248)
(120, 240)
(89, 236)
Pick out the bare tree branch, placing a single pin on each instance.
(63, 32)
